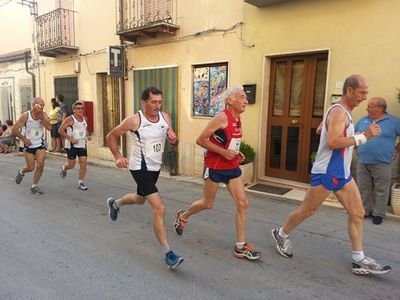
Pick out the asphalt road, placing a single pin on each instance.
(61, 245)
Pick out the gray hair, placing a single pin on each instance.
(231, 92)
(381, 103)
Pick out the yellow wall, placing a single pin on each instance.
(360, 36)
(186, 50)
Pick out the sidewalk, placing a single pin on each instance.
(296, 195)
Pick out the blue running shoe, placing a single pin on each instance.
(172, 260)
(112, 212)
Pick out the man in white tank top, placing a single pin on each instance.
(150, 128)
(331, 172)
(74, 131)
(33, 122)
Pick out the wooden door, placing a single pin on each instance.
(297, 93)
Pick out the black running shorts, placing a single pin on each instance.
(146, 182)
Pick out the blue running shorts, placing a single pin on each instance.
(331, 183)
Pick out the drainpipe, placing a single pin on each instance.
(32, 74)
(122, 103)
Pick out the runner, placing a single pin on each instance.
(221, 138)
(33, 122)
(331, 172)
(149, 129)
(74, 131)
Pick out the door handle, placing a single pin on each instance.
(294, 121)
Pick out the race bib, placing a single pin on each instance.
(35, 133)
(234, 145)
(154, 147)
(80, 134)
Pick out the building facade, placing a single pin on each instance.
(292, 56)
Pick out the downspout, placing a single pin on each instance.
(122, 84)
(32, 74)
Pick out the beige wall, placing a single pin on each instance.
(186, 50)
(360, 36)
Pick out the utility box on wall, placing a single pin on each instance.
(89, 115)
(250, 90)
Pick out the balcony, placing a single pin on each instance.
(56, 33)
(262, 3)
(146, 19)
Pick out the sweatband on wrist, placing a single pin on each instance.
(360, 139)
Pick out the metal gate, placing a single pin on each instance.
(68, 87)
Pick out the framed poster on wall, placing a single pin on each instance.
(209, 82)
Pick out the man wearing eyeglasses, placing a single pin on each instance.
(74, 130)
(331, 173)
(33, 122)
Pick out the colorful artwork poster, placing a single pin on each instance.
(201, 91)
(217, 87)
(209, 82)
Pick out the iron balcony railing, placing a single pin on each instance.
(136, 14)
(56, 29)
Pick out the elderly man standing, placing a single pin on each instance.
(375, 158)
(33, 122)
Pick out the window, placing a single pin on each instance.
(209, 82)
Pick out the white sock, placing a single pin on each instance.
(116, 204)
(240, 245)
(80, 181)
(357, 255)
(34, 185)
(282, 234)
(166, 249)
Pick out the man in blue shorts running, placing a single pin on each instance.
(331, 172)
(221, 138)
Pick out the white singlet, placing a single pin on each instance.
(77, 131)
(148, 144)
(334, 162)
(34, 131)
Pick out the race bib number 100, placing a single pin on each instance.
(154, 147)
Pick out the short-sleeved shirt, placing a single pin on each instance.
(380, 148)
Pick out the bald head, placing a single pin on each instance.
(37, 100)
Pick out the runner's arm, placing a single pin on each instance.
(16, 130)
(220, 121)
(337, 122)
(131, 123)
(171, 135)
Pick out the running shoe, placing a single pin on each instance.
(63, 172)
(284, 246)
(36, 190)
(172, 260)
(368, 265)
(112, 212)
(246, 252)
(82, 186)
(179, 222)
(19, 176)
